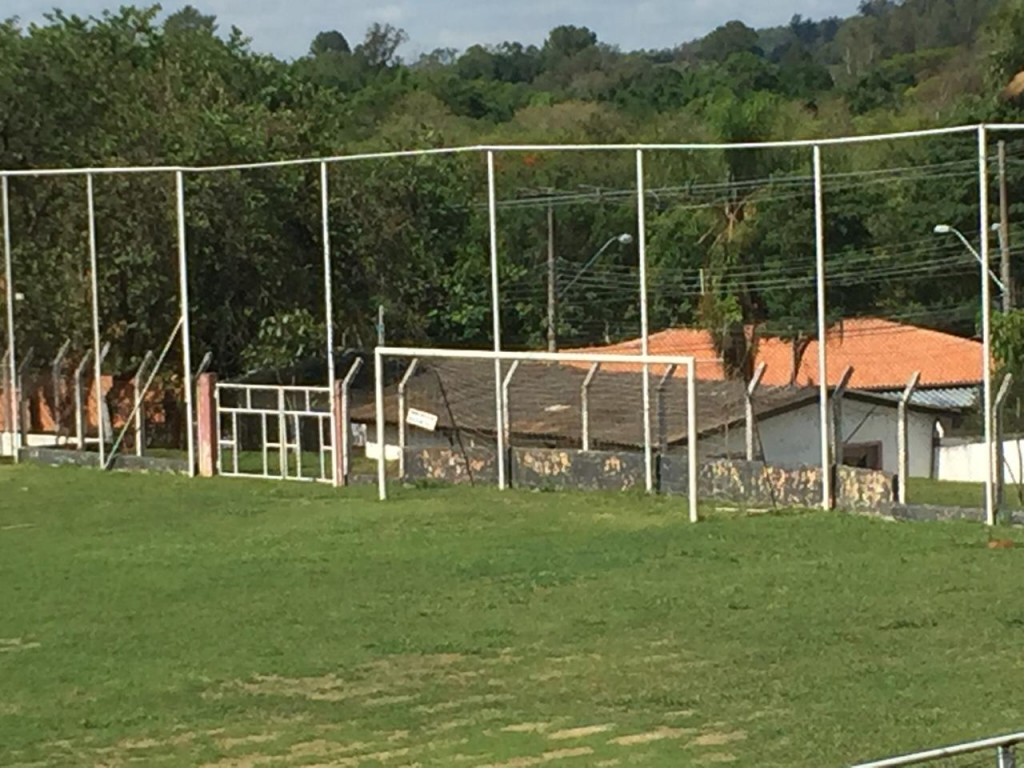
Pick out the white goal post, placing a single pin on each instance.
(498, 424)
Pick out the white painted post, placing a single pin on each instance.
(986, 321)
(186, 328)
(585, 405)
(325, 223)
(378, 386)
(19, 387)
(644, 327)
(12, 365)
(1007, 757)
(901, 426)
(140, 409)
(57, 383)
(346, 434)
(662, 416)
(692, 436)
(409, 372)
(819, 227)
(492, 211)
(997, 439)
(94, 286)
(506, 416)
(80, 401)
(749, 393)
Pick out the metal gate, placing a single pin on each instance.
(275, 432)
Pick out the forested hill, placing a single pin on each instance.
(730, 234)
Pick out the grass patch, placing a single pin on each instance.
(947, 494)
(234, 623)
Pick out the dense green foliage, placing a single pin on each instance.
(229, 623)
(411, 235)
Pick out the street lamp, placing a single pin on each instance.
(555, 296)
(624, 239)
(946, 229)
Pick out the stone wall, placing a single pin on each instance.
(61, 457)
(749, 483)
(570, 469)
(450, 465)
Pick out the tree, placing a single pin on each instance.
(729, 39)
(329, 42)
(566, 41)
(189, 20)
(380, 45)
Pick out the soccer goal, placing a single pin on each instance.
(998, 752)
(543, 420)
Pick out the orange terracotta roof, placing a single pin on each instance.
(883, 355)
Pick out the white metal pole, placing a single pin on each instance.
(986, 321)
(12, 428)
(325, 222)
(186, 334)
(492, 210)
(378, 390)
(692, 437)
(819, 230)
(644, 328)
(95, 288)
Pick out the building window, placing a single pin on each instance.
(863, 455)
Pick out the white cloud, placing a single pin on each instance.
(286, 29)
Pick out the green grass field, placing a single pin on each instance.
(164, 621)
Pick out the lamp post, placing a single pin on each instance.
(986, 345)
(946, 229)
(555, 296)
(624, 239)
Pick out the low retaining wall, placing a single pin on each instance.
(60, 457)
(740, 482)
(450, 465)
(564, 470)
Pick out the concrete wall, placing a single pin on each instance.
(740, 482)
(964, 461)
(793, 439)
(565, 469)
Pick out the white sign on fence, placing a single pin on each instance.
(421, 419)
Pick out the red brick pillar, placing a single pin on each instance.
(339, 442)
(206, 412)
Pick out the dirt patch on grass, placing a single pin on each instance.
(230, 742)
(718, 738)
(547, 757)
(660, 734)
(526, 728)
(717, 757)
(15, 644)
(448, 706)
(581, 732)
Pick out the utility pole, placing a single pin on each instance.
(1005, 272)
(552, 287)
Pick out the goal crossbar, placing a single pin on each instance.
(645, 362)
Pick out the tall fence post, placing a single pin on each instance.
(819, 238)
(12, 355)
(24, 404)
(6, 400)
(998, 409)
(506, 417)
(140, 408)
(492, 215)
(902, 436)
(585, 406)
(207, 428)
(641, 215)
(748, 410)
(80, 401)
(662, 416)
(409, 372)
(692, 438)
(57, 385)
(343, 456)
(836, 450)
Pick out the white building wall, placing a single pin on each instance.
(793, 438)
(966, 462)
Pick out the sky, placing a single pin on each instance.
(286, 28)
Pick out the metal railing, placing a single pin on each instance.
(1003, 750)
(258, 422)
